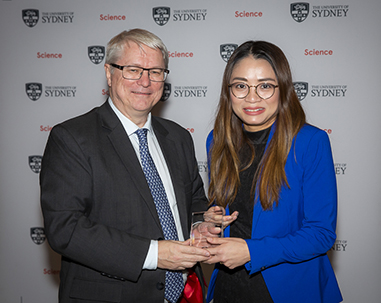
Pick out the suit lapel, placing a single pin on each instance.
(123, 147)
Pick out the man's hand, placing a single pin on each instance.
(177, 255)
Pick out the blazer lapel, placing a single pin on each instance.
(123, 147)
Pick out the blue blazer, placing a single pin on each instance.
(289, 243)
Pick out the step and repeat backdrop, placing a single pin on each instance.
(51, 60)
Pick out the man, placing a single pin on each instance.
(97, 204)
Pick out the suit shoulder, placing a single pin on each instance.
(167, 123)
(170, 126)
(80, 124)
(81, 119)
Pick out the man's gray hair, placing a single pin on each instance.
(116, 45)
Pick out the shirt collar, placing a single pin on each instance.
(128, 125)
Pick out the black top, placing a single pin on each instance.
(237, 285)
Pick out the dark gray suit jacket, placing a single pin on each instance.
(98, 210)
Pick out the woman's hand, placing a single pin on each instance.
(216, 214)
(231, 252)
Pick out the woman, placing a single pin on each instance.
(277, 172)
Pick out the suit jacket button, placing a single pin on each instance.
(160, 286)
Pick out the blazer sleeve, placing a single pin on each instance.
(312, 162)
(67, 198)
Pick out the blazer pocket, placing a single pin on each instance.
(96, 291)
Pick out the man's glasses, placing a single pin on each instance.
(135, 72)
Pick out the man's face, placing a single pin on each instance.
(135, 98)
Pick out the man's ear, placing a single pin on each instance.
(108, 73)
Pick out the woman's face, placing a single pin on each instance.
(255, 113)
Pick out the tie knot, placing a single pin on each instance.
(142, 135)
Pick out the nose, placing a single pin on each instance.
(144, 79)
(253, 95)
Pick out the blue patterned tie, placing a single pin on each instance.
(173, 280)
